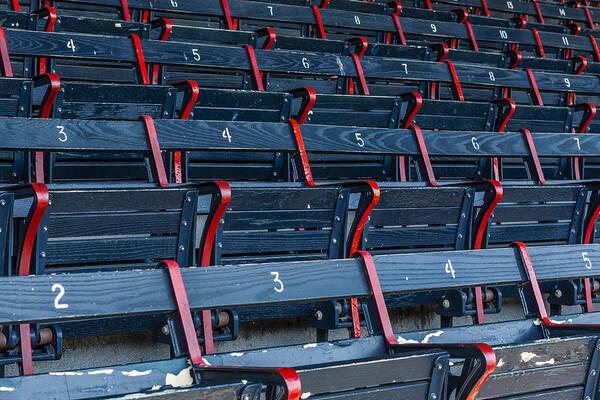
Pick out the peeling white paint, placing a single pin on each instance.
(549, 362)
(205, 361)
(307, 346)
(500, 363)
(101, 371)
(305, 395)
(429, 336)
(6, 389)
(527, 356)
(136, 373)
(68, 373)
(182, 379)
(537, 322)
(155, 387)
(236, 354)
(264, 351)
(401, 340)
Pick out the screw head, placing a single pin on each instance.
(188, 199)
(446, 303)
(318, 315)
(337, 218)
(460, 235)
(558, 293)
(184, 223)
(165, 330)
(593, 372)
(439, 366)
(43, 254)
(181, 248)
(433, 396)
(334, 240)
(2, 203)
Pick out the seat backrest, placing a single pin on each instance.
(106, 228)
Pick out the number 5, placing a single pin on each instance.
(359, 140)
(586, 259)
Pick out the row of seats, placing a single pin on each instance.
(340, 177)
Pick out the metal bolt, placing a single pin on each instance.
(587, 398)
(341, 196)
(334, 240)
(439, 366)
(446, 303)
(593, 372)
(245, 397)
(184, 223)
(285, 100)
(222, 221)
(2, 203)
(165, 330)
(318, 315)
(463, 215)
(337, 218)
(468, 195)
(558, 293)
(366, 240)
(219, 245)
(59, 109)
(45, 228)
(274, 173)
(460, 235)
(433, 396)
(188, 199)
(43, 254)
(598, 346)
(22, 108)
(572, 230)
(576, 212)
(181, 248)
(169, 94)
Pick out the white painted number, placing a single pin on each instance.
(405, 68)
(62, 134)
(357, 20)
(586, 260)
(561, 11)
(279, 288)
(567, 82)
(227, 135)
(503, 34)
(61, 293)
(196, 54)
(71, 45)
(509, 4)
(565, 40)
(492, 77)
(474, 143)
(174, 3)
(305, 63)
(433, 28)
(270, 9)
(450, 269)
(576, 139)
(359, 140)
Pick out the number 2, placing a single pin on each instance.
(276, 280)
(450, 269)
(586, 260)
(61, 293)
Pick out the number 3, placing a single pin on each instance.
(277, 281)
(61, 293)
(62, 133)
(586, 259)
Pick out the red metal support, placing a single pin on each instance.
(471, 36)
(457, 87)
(271, 37)
(256, 74)
(399, 30)
(482, 352)
(537, 98)
(361, 48)
(40, 204)
(15, 5)
(142, 70)
(484, 6)
(227, 15)
(53, 82)
(534, 156)
(319, 22)
(155, 147)
(362, 86)
(595, 46)
(125, 10)
(6, 65)
(166, 29)
(538, 12)
(424, 154)
(538, 42)
(191, 95)
(309, 97)
(50, 14)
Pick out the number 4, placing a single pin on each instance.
(450, 269)
(227, 135)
